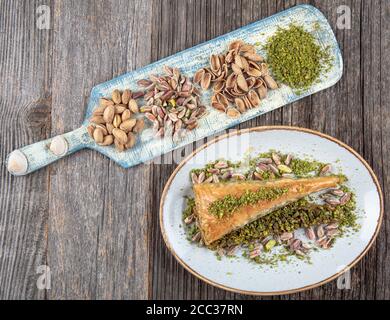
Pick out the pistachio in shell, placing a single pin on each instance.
(126, 115)
(116, 96)
(120, 108)
(133, 106)
(107, 140)
(90, 130)
(131, 140)
(98, 135)
(109, 127)
(117, 121)
(103, 128)
(126, 96)
(99, 111)
(119, 146)
(271, 83)
(119, 135)
(109, 114)
(97, 120)
(127, 125)
(262, 92)
(103, 102)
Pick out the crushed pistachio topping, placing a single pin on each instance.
(228, 204)
(302, 168)
(296, 58)
(299, 214)
(189, 210)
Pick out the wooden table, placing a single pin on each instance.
(94, 224)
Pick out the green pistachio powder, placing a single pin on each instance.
(295, 57)
(299, 214)
(229, 204)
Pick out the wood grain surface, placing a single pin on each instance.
(94, 224)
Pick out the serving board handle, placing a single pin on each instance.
(37, 155)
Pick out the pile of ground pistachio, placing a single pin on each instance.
(296, 58)
(267, 230)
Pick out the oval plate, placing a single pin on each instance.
(239, 274)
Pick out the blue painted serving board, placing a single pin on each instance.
(190, 60)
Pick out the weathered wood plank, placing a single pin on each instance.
(25, 103)
(384, 162)
(339, 111)
(375, 116)
(96, 225)
(98, 211)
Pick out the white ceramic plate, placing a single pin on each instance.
(239, 274)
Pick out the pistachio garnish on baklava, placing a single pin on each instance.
(225, 207)
(260, 204)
